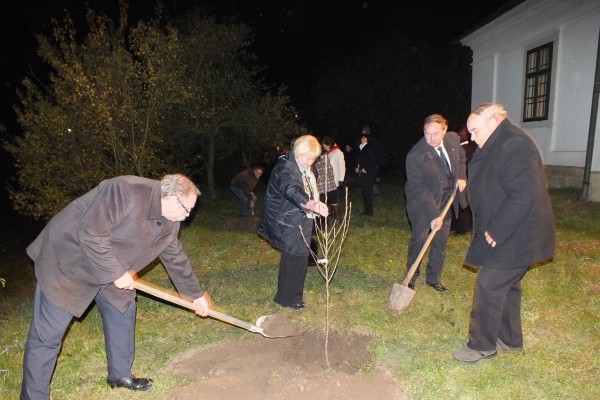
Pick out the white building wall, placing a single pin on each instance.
(499, 50)
(483, 74)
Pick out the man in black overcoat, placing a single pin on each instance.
(366, 170)
(513, 228)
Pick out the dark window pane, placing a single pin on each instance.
(537, 83)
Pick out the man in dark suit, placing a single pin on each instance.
(366, 171)
(433, 167)
(513, 228)
(90, 251)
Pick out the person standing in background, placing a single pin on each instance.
(326, 183)
(350, 161)
(243, 185)
(338, 165)
(462, 223)
(513, 229)
(366, 170)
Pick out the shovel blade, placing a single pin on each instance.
(399, 299)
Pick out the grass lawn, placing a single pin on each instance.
(561, 309)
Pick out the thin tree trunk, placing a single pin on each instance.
(210, 167)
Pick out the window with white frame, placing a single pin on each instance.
(537, 83)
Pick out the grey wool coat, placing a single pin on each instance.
(509, 199)
(94, 240)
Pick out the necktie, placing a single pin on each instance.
(444, 159)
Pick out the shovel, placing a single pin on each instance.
(211, 313)
(401, 295)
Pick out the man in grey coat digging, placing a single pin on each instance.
(513, 229)
(90, 251)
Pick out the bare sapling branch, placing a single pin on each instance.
(330, 238)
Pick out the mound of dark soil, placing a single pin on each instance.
(293, 368)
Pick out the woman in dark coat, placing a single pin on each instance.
(513, 228)
(291, 204)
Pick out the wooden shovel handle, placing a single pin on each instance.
(415, 265)
(191, 306)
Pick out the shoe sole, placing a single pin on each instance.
(479, 359)
(114, 386)
(445, 289)
(504, 347)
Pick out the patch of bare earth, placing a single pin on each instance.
(291, 368)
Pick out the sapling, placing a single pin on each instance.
(330, 238)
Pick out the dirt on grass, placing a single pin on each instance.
(292, 368)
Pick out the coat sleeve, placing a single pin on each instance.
(180, 270)
(462, 163)
(339, 165)
(519, 180)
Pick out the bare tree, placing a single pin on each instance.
(330, 239)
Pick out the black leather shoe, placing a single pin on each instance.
(132, 383)
(297, 307)
(411, 285)
(438, 286)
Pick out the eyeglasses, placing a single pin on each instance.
(187, 211)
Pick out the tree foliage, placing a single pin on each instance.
(228, 111)
(100, 113)
(144, 100)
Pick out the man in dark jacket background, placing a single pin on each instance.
(366, 171)
(243, 185)
(90, 251)
(434, 166)
(513, 229)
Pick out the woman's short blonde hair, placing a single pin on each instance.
(307, 145)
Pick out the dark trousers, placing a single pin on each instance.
(496, 311)
(290, 282)
(48, 326)
(437, 251)
(462, 223)
(244, 209)
(119, 337)
(367, 194)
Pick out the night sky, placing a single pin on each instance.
(292, 38)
